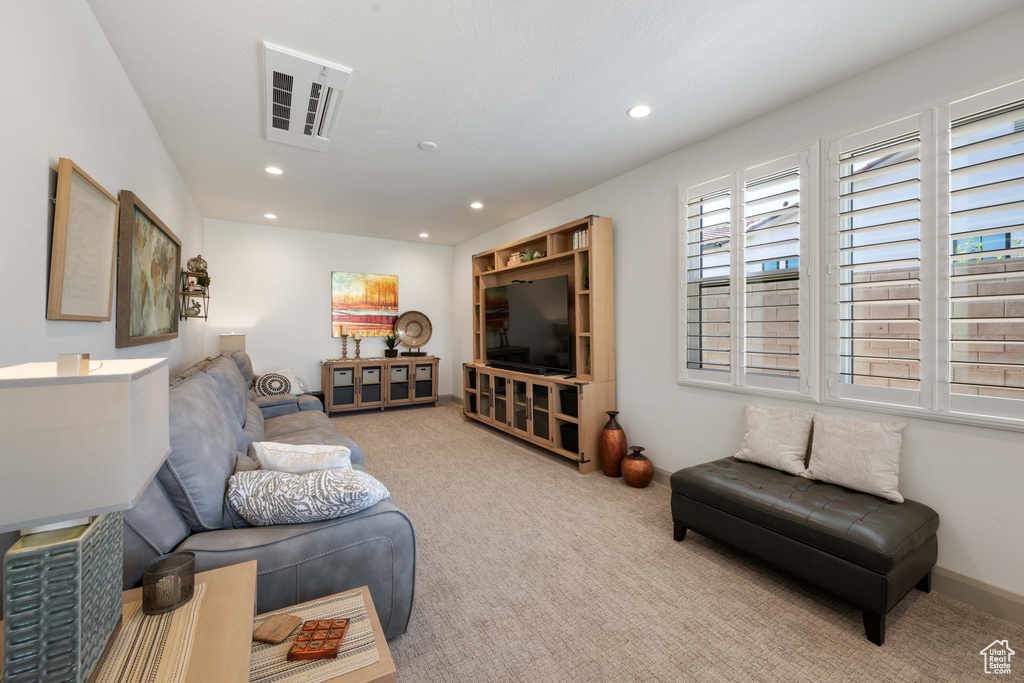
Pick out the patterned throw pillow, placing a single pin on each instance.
(863, 456)
(776, 438)
(275, 383)
(263, 498)
(303, 385)
(295, 458)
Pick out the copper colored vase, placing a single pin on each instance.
(613, 446)
(637, 468)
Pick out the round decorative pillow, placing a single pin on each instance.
(272, 384)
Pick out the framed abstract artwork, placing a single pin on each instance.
(367, 304)
(148, 267)
(84, 247)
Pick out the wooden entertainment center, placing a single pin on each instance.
(562, 413)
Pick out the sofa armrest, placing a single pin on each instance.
(301, 562)
(309, 402)
(274, 406)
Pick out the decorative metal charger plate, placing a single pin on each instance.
(413, 329)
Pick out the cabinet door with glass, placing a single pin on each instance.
(399, 383)
(519, 390)
(424, 380)
(484, 391)
(342, 386)
(500, 400)
(539, 406)
(371, 384)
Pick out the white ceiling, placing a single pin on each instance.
(526, 99)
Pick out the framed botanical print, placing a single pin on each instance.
(148, 268)
(84, 247)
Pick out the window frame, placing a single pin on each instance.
(805, 159)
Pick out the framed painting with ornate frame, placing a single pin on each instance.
(148, 270)
(84, 248)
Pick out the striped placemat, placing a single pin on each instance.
(151, 648)
(270, 662)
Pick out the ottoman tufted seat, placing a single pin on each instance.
(865, 549)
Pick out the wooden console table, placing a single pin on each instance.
(378, 382)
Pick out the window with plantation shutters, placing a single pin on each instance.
(877, 265)
(984, 250)
(708, 267)
(772, 226)
(744, 294)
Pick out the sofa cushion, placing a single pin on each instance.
(253, 423)
(309, 423)
(241, 441)
(152, 528)
(244, 364)
(867, 530)
(202, 456)
(309, 402)
(231, 383)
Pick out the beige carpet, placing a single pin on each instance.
(528, 571)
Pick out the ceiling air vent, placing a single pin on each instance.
(303, 97)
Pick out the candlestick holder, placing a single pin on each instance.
(344, 346)
(357, 347)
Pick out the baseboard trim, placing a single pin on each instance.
(450, 398)
(661, 476)
(986, 597)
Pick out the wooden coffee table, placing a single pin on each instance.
(381, 671)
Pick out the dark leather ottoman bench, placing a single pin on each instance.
(863, 549)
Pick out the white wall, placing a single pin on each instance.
(274, 285)
(971, 476)
(66, 95)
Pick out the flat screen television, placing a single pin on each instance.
(527, 325)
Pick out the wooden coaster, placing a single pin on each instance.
(276, 628)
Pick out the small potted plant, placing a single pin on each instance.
(391, 342)
(194, 310)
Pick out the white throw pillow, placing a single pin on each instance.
(278, 382)
(298, 458)
(776, 438)
(863, 456)
(263, 498)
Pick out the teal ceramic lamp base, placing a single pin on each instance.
(62, 600)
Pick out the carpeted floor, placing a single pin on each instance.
(528, 571)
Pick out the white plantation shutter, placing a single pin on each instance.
(983, 274)
(707, 263)
(774, 286)
(744, 295)
(879, 213)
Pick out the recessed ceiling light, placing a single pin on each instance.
(476, 205)
(427, 146)
(269, 215)
(423, 234)
(639, 111)
(273, 170)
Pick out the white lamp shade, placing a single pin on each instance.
(232, 342)
(76, 446)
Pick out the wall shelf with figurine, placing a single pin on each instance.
(195, 290)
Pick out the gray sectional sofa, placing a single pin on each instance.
(214, 416)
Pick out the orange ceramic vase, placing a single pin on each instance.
(613, 446)
(637, 468)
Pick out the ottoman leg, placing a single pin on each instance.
(874, 627)
(678, 530)
(925, 584)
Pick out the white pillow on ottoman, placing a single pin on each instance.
(863, 456)
(263, 498)
(299, 458)
(776, 438)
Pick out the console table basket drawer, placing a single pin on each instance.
(343, 377)
(424, 372)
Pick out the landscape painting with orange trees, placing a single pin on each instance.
(366, 303)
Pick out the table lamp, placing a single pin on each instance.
(234, 341)
(75, 450)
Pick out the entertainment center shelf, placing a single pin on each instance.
(563, 413)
